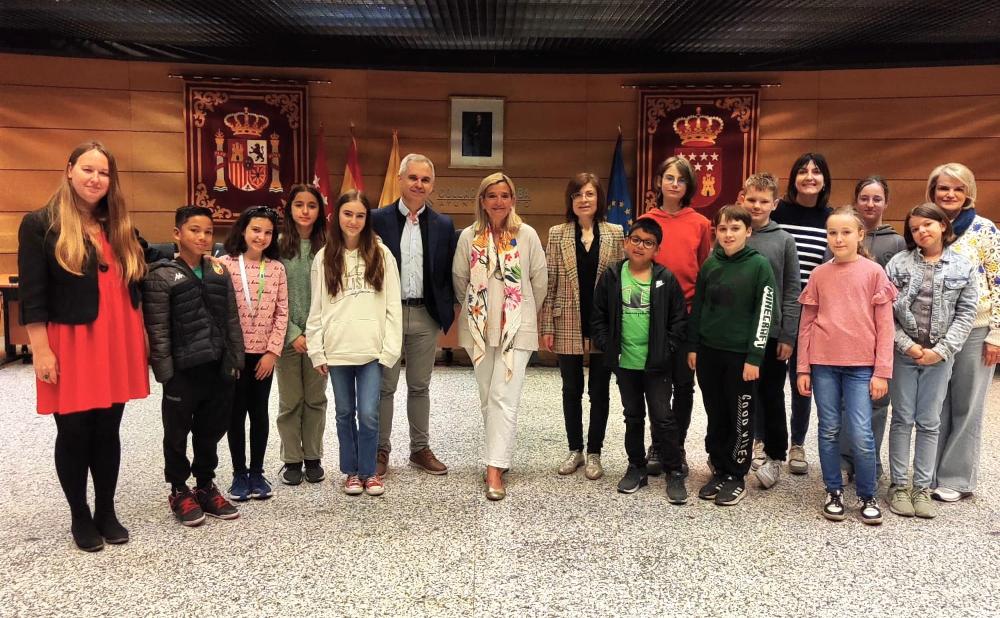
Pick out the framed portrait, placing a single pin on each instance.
(476, 132)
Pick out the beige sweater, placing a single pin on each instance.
(534, 284)
(360, 324)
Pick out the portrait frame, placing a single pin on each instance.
(476, 132)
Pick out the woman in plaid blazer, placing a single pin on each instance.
(577, 253)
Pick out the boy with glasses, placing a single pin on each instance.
(638, 319)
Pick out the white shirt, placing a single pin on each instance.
(411, 255)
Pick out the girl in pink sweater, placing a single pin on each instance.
(262, 299)
(845, 355)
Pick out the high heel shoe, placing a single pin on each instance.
(493, 493)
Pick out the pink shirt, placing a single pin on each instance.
(265, 318)
(847, 317)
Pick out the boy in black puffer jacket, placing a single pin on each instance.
(196, 350)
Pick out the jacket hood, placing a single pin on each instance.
(742, 255)
(883, 230)
(659, 213)
(770, 227)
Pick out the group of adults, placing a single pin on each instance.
(81, 263)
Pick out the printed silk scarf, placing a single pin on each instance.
(501, 260)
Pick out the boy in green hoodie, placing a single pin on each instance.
(728, 329)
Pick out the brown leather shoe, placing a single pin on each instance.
(426, 461)
(381, 462)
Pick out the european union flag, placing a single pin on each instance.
(620, 209)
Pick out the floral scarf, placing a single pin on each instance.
(501, 260)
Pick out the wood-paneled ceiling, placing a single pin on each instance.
(513, 35)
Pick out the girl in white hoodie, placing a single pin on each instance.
(354, 329)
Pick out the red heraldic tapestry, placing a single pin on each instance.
(716, 130)
(246, 144)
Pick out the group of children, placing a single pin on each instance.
(314, 301)
(859, 323)
(218, 329)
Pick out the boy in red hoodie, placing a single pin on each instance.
(687, 242)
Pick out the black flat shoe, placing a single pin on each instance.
(86, 536)
(111, 529)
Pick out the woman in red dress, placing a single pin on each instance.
(80, 264)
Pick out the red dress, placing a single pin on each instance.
(103, 362)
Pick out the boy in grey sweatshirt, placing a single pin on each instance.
(758, 196)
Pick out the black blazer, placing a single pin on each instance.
(48, 293)
(667, 317)
(439, 251)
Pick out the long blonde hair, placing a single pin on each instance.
(513, 222)
(72, 244)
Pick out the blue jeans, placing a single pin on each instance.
(798, 423)
(356, 396)
(848, 385)
(918, 393)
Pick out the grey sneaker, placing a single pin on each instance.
(769, 473)
(573, 461)
(593, 470)
(758, 455)
(291, 474)
(900, 500)
(797, 463)
(923, 507)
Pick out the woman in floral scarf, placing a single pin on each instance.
(500, 274)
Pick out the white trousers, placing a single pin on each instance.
(499, 400)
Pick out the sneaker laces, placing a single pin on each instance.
(187, 503)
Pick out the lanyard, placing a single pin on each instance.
(260, 282)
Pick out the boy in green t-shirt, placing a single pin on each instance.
(638, 319)
(728, 330)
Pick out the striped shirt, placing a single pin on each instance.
(808, 227)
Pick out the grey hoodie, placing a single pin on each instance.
(778, 247)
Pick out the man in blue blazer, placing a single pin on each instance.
(423, 243)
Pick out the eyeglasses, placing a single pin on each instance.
(590, 195)
(636, 242)
(670, 180)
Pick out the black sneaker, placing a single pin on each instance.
(186, 509)
(635, 477)
(653, 465)
(834, 507)
(291, 473)
(314, 471)
(870, 513)
(677, 492)
(732, 491)
(711, 489)
(213, 503)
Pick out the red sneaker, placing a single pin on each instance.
(374, 486)
(185, 507)
(353, 486)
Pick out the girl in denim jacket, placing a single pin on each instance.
(934, 311)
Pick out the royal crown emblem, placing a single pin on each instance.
(698, 130)
(249, 123)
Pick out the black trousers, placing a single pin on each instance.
(639, 389)
(770, 424)
(89, 441)
(730, 403)
(250, 399)
(682, 379)
(196, 401)
(598, 387)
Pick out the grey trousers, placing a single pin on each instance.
(301, 407)
(420, 333)
(961, 434)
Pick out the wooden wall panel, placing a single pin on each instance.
(969, 117)
(64, 108)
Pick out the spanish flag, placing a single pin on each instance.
(390, 187)
(321, 175)
(352, 171)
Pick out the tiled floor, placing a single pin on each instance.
(435, 546)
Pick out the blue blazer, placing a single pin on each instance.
(439, 251)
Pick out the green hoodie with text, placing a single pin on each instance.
(733, 304)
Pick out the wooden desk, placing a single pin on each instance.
(14, 333)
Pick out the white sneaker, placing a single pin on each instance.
(769, 473)
(797, 463)
(758, 455)
(945, 494)
(573, 461)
